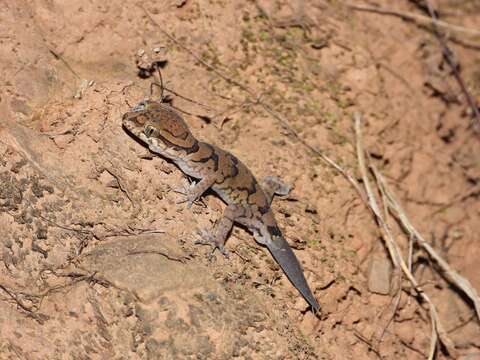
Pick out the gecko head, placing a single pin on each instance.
(135, 120)
(159, 126)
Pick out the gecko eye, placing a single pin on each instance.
(149, 130)
(139, 107)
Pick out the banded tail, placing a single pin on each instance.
(284, 256)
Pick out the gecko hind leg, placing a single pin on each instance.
(272, 185)
(206, 238)
(218, 236)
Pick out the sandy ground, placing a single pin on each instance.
(97, 256)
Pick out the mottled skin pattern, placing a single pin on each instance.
(166, 133)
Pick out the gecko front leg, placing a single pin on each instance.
(196, 191)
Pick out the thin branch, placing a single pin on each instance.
(452, 276)
(19, 302)
(53, 223)
(423, 20)
(362, 338)
(158, 252)
(189, 99)
(198, 58)
(388, 237)
(448, 55)
(62, 59)
(318, 153)
(396, 304)
(438, 332)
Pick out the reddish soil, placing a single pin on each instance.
(96, 255)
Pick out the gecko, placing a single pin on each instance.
(166, 133)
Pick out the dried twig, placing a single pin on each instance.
(33, 310)
(362, 338)
(189, 99)
(64, 227)
(452, 276)
(318, 153)
(19, 301)
(423, 20)
(58, 56)
(133, 232)
(198, 58)
(438, 332)
(158, 252)
(474, 191)
(372, 202)
(396, 304)
(448, 55)
(76, 278)
(435, 23)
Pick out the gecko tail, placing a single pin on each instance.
(284, 256)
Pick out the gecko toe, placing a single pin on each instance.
(186, 191)
(188, 201)
(223, 251)
(206, 238)
(276, 186)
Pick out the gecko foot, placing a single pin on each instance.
(276, 186)
(190, 198)
(206, 238)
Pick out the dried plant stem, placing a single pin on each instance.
(423, 20)
(449, 57)
(438, 331)
(198, 58)
(387, 235)
(452, 276)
